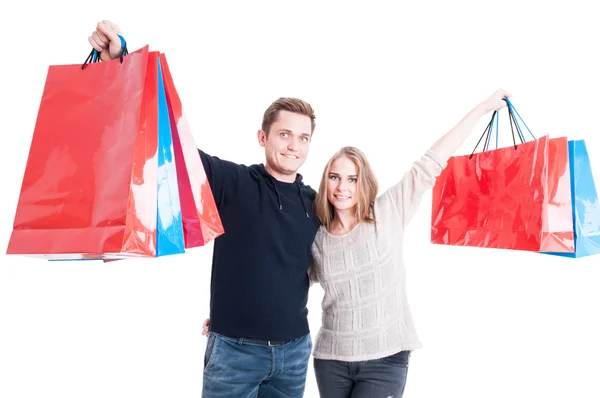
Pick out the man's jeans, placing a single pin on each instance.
(234, 368)
(384, 377)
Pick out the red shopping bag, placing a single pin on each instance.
(201, 221)
(508, 198)
(85, 191)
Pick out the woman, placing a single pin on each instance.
(367, 332)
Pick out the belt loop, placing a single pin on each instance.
(241, 341)
(269, 343)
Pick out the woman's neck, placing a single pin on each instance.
(343, 221)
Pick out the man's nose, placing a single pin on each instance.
(293, 145)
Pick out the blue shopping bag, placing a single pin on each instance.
(584, 198)
(169, 225)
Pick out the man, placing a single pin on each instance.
(259, 342)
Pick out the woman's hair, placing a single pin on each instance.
(366, 188)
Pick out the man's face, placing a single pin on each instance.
(287, 144)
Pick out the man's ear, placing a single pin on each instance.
(262, 137)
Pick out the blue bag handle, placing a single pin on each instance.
(94, 55)
(494, 122)
(514, 111)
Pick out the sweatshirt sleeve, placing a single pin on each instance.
(402, 200)
(223, 176)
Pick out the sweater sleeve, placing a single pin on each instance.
(312, 272)
(223, 177)
(402, 200)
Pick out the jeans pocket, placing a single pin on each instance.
(210, 350)
(398, 359)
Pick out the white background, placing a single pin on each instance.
(388, 77)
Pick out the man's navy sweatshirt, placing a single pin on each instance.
(259, 282)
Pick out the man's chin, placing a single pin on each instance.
(286, 171)
(289, 169)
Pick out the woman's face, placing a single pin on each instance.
(342, 190)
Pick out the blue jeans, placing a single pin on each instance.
(384, 377)
(234, 368)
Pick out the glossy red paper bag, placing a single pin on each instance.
(558, 234)
(506, 198)
(201, 221)
(89, 188)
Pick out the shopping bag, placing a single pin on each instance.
(201, 221)
(585, 206)
(101, 179)
(515, 197)
(169, 234)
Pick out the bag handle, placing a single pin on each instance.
(513, 124)
(94, 55)
(486, 133)
(514, 111)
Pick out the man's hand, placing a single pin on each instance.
(106, 41)
(205, 327)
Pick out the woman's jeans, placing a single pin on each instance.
(377, 378)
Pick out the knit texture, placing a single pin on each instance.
(365, 308)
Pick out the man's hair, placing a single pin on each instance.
(294, 105)
(366, 188)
